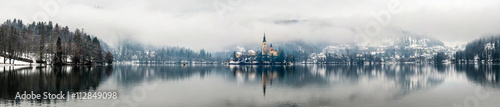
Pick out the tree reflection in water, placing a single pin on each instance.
(360, 82)
(51, 79)
(403, 78)
(484, 75)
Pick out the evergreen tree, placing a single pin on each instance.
(96, 49)
(202, 53)
(109, 58)
(41, 32)
(234, 56)
(58, 57)
(76, 47)
(439, 57)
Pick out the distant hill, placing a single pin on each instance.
(411, 39)
(394, 36)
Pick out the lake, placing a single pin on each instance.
(408, 85)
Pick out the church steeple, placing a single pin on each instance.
(264, 45)
(264, 38)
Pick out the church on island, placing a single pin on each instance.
(268, 51)
(267, 56)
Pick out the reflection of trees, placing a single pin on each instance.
(132, 75)
(404, 78)
(411, 78)
(51, 79)
(484, 75)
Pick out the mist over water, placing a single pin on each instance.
(213, 53)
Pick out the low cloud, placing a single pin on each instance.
(198, 24)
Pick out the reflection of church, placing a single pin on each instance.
(265, 77)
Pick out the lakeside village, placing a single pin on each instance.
(415, 51)
(403, 49)
(44, 43)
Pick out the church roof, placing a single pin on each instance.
(270, 49)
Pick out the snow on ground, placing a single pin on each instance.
(10, 67)
(15, 61)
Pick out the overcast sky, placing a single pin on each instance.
(214, 24)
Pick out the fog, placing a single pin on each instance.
(215, 24)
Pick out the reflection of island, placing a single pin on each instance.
(51, 79)
(403, 78)
(318, 84)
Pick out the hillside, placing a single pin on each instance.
(49, 42)
(485, 49)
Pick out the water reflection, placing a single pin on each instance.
(132, 75)
(403, 78)
(50, 79)
(485, 75)
(319, 85)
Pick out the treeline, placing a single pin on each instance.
(49, 43)
(132, 51)
(354, 55)
(353, 58)
(281, 58)
(486, 49)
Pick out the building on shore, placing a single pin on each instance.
(268, 51)
(267, 55)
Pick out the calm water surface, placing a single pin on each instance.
(299, 85)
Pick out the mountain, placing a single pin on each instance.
(411, 39)
(394, 36)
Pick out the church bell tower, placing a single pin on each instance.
(264, 45)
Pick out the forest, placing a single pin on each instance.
(485, 49)
(129, 50)
(49, 43)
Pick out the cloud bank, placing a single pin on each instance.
(214, 24)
